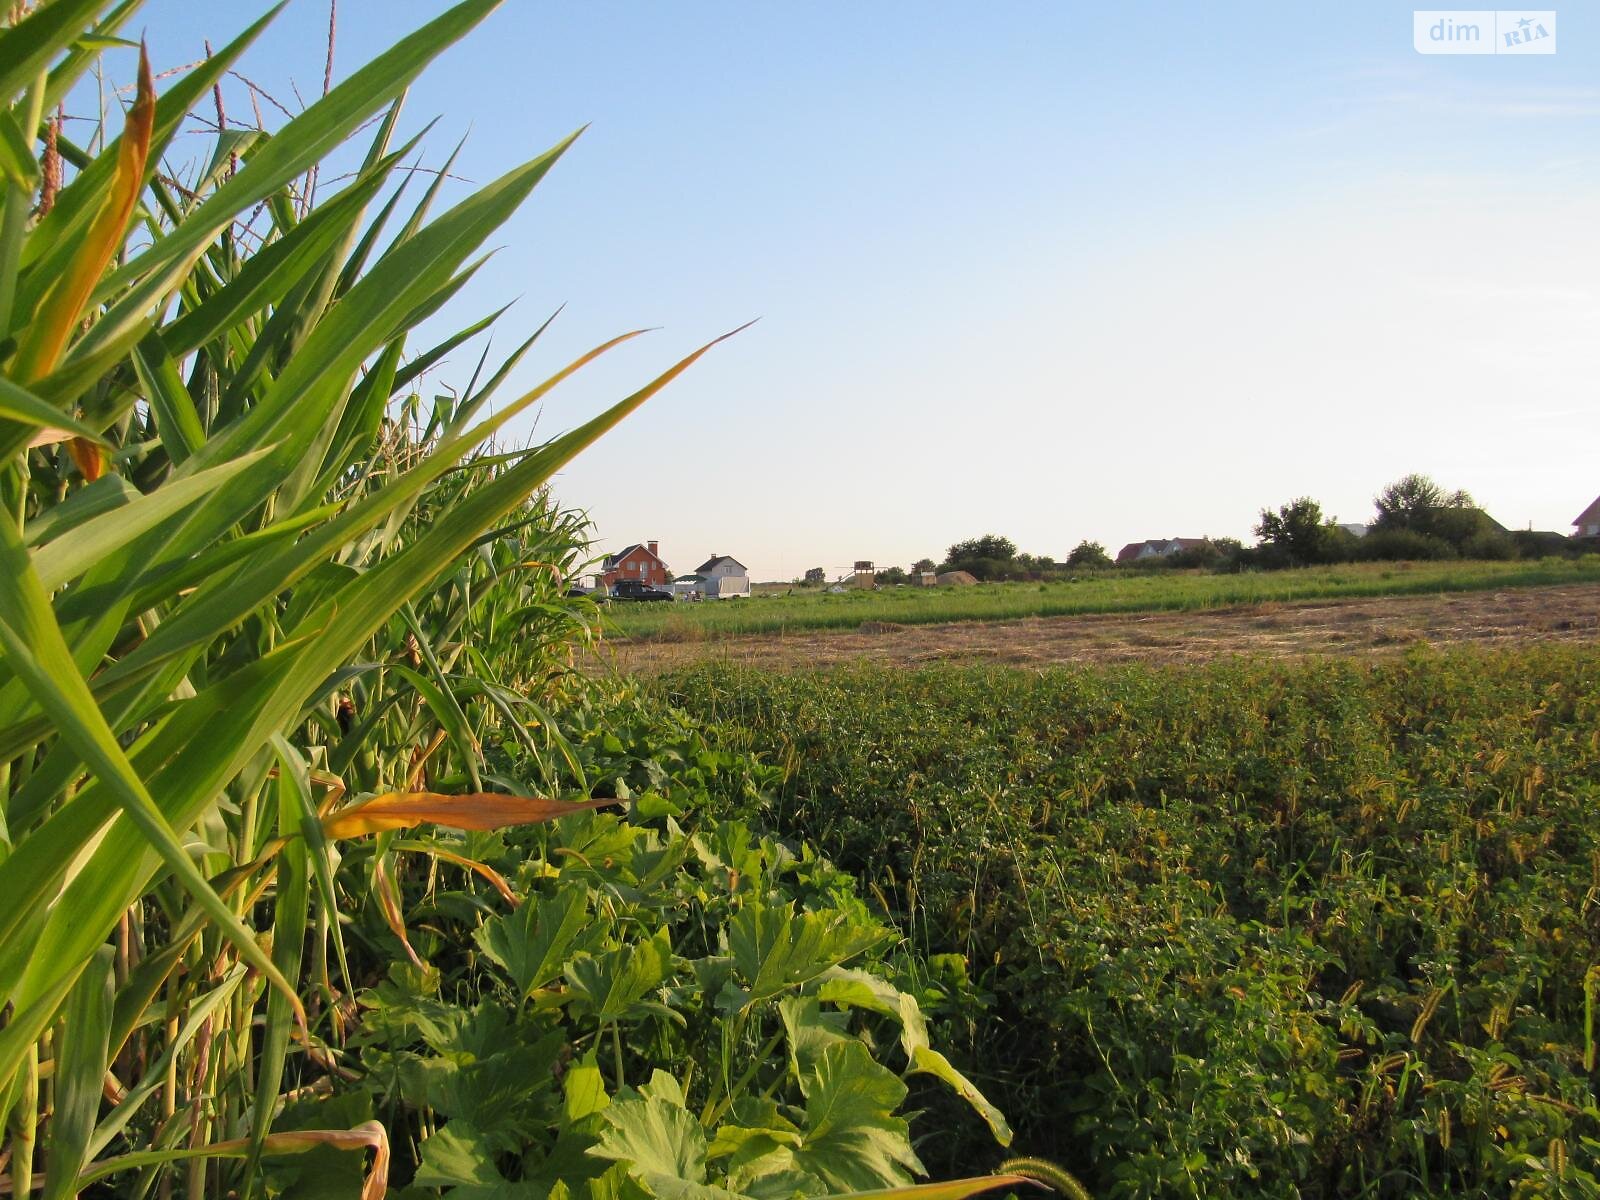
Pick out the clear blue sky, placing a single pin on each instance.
(1053, 271)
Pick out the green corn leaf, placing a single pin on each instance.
(28, 46)
(200, 1011)
(102, 496)
(432, 357)
(176, 417)
(52, 242)
(72, 553)
(208, 741)
(16, 154)
(450, 714)
(38, 653)
(30, 411)
(267, 276)
(290, 911)
(308, 138)
(85, 51)
(80, 1076)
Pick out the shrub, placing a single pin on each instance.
(1396, 545)
(1088, 554)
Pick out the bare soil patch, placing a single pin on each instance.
(1373, 625)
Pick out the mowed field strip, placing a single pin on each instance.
(1369, 625)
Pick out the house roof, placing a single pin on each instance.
(613, 559)
(1158, 546)
(1493, 524)
(1590, 515)
(716, 560)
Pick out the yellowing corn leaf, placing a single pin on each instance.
(955, 1189)
(368, 1135)
(475, 810)
(389, 902)
(494, 878)
(90, 459)
(46, 336)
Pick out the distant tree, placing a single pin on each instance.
(1296, 533)
(921, 565)
(1414, 502)
(890, 576)
(1088, 554)
(1030, 566)
(1232, 554)
(816, 575)
(987, 557)
(990, 545)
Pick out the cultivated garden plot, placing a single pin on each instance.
(1315, 928)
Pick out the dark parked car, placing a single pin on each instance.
(632, 589)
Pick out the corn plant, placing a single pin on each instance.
(264, 612)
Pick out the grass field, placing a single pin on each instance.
(1111, 591)
(1292, 929)
(1355, 626)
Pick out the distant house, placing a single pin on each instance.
(1588, 521)
(925, 578)
(723, 577)
(1353, 528)
(640, 562)
(1157, 548)
(957, 578)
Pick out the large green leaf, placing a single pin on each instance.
(609, 986)
(535, 941)
(852, 1139)
(776, 949)
(80, 1075)
(660, 1143)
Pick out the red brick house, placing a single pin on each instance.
(1588, 521)
(639, 562)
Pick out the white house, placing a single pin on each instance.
(718, 578)
(1157, 548)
